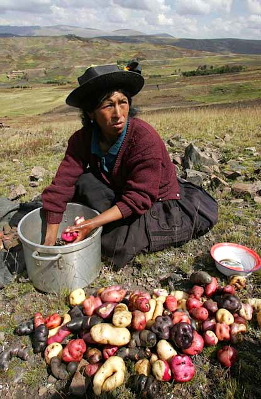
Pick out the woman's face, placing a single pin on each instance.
(112, 114)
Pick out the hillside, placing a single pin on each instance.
(226, 45)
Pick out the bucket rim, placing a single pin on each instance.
(76, 245)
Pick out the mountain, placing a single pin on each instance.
(226, 46)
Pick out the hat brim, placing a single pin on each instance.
(128, 80)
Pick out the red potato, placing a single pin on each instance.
(106, 310)
(74, 350)
(90, 304)
(171, 303)
(161, 370)
(199, 314)
(139, 300)
(62, 333)
(239, 320)
(229, 289)
(91, 369)
(53, 321)
(109, 350)
(212, 287)
(197, 345)
(114, 293)
(182, 368)
(196, 291)
(192, 303)
(210, 338)
(138, 321)
(180, 316)
(227, 356)
(38, 319)
(222, 331)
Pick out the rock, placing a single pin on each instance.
(257, 200)
(42, 391)
(239, 189)
(79, 382)
(7, 228)
(2, 336)
(237, 201)
(194, 157)
(34, 184)
(51, 379)
(177, 160)
(7, 209)
(195, 177)
(227, 137)
(37, 173)
(218, 182)
(17, 192)
(232, 175)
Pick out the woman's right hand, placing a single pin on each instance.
(51, 234)
(82, 229)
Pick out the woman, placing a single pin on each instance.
(119, 165)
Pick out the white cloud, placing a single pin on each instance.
(202, 7)
(254, 6)
(163, 20)
(148, 5)
(32, 6)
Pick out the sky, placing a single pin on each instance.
(198, 19)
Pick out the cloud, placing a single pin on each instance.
(202, 7)
(31, 6)
(148, 5)
(254, 6)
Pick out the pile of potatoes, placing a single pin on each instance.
(159, 331)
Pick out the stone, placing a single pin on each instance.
(195, 177)
(227, 137)
(34, 184)
(42, 391)
(177, 160)
(218, 182)
(79, 382)
(237, 201)
(257, 200)
(17, 192)
(243, 189)
(7, 208)
(232, 175)
(37, 173)
(194, 157)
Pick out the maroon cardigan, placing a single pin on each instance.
(143, 172)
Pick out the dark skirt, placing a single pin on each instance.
(166, 223)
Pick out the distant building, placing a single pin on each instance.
(16, 75)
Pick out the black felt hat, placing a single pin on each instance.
(101, 78)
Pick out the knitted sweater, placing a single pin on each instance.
(143, 172)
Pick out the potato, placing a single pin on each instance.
(110, 375)
(165, 350)
(53, 350)
(77, 297)
(122, 316)
(107, 333)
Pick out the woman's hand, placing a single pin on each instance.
(86, 227)
(51, 234)
(82, 229)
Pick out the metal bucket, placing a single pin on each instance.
(56, 268)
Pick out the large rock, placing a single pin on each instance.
(7, 210)
(195, 177)
(195, 158)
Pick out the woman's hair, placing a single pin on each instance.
(97, 102)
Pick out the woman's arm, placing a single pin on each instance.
(51, 234)
(85, 228)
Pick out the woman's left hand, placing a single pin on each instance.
(83, 229)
